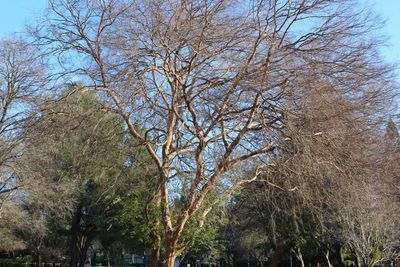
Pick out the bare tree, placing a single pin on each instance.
(22, 76)
(11, 219)
(369, 226)
(342, 173)
(209, 80)
(323, 185)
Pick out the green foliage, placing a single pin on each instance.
(207, 239)
(131, 220)
(347, 256)
(95, 168)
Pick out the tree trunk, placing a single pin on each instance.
(278, 253)
(38, 258)
(74, 244)
(78, 255)
(169, 259)
(93, 260)
(73, 253)
(79, 243)
(83, 253)
(37, 254)
(300, 257)
(154, 233)
(154, 256)
(327, 259)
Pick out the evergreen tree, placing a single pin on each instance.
(79, 148)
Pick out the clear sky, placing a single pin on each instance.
(14, 14)
(389, 11)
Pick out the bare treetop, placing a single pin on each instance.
(22, 77)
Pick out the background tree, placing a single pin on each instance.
(75, 146)
(369, 227)
(137, 236)
(22, 77)
(10, 221)
(327, 156)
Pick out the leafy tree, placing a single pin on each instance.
(76, 146)
(137, 236)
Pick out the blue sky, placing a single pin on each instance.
(389, 11)
(15, 13)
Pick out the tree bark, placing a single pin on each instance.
(327, 259)
(73, 246)
(154, 256)
(278, 253)
(79, 243)
(170, 257)
(83, 253)
(38, 258)
(78, 253)
(300, 257)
